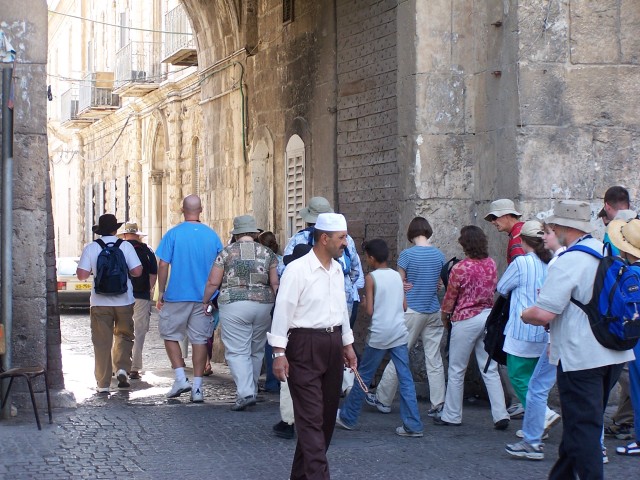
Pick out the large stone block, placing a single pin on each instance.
(555, 163)
(594, 31)
(440, 103)
(25, 24)
(30, 173)
(433, 35)
(603, 95)
(30, 112)
(543, 31)
(629, 28)
(616, 152)
(541, 90)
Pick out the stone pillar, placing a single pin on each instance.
(155, 208)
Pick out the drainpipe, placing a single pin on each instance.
(6, 296)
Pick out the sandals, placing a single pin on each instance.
(631, 450)
(207, 371)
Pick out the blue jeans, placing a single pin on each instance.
(271, 384)
(371, 359)
(634, 388)
(541, 383)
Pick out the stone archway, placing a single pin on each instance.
(261, 158)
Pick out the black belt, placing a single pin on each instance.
(336, 328)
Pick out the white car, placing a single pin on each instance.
(72, 293)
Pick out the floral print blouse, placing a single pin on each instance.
(472, 284)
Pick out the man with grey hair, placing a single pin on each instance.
(586, 369)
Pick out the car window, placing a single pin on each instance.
(67, 266)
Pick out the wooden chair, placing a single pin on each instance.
(28, 373)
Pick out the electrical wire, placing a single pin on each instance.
(84, 19)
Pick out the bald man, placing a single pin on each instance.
(190, 248)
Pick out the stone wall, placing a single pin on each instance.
(35, 337)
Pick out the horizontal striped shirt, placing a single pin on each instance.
(422, 266)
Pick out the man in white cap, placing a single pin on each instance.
(504, 216)
(312, 341)
(586, 370)
(142, 288)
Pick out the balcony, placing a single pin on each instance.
(179, 47)
(137, 69)
(97, 98)
(69, 110)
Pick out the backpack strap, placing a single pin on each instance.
(100, 242)
(118, 243)
(582, 248)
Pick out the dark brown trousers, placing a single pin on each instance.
(315, 378)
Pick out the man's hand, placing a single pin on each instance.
(160, 303)
(446, 319)
(350, 359)
(281, 368)
(407, 286)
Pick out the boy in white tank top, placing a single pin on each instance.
(386, 303)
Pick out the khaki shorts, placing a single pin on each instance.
(180, 319)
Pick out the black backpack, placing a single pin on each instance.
(141, 284)
(446, 271)
(494, 331)
(112, 272)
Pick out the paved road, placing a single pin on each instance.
(138, 434)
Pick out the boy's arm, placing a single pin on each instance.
(368, 288)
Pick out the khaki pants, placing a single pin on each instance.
(107, 322)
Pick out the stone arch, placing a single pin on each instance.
(262, 172)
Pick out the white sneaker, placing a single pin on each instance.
(197, 395)
(520, 434)
(340, 423)
(551, 418)
(178, 388)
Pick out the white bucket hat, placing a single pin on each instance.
(572, 213)
(501, 207)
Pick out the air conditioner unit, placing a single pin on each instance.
(138, 75)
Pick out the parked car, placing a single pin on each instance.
(72, 293)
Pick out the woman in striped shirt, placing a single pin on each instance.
(523, 278)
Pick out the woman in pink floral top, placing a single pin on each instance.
(466, 305)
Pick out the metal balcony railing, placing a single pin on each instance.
(138, 62)
(69, 105)
(96, 93)
(176, 45)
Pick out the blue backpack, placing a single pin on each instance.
(111, 269)
(614, 308)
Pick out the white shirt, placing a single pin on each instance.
(310, 296)
(88, 261)
(572, 341)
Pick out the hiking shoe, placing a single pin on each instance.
(134, 375)
(197, 396)
(520, 434)
(435, 412)
(605, 457)
(551, 419)
(619, 431)
(372, 400)
(501, 424)
(633, 450)
(123, 380)
(242, 403)
(284, 430)
(523, 449)
(340, 423)
(102, 390)
(516, 410)
(403, 432)
(179, 387)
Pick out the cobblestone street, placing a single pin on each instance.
(139, 434)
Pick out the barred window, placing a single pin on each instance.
(294, 165)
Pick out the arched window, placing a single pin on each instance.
(294, 175)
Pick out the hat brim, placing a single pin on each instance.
(309, 217)
(581, 225)
(238, 231)
(139, 233)
(617, 238)
(96, 229)
(500, 213)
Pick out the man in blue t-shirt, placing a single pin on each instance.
(190, 248)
